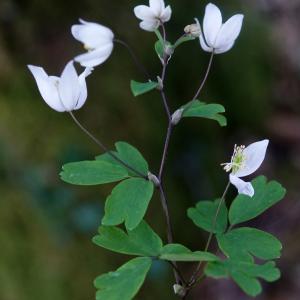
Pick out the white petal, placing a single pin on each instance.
(93, 35)
(47, 88)
(69, 88)
(166, 14)
(204, 45)
(229, 31)
(157, 6)
(83, 88)
(242, 186)
(144, 12)
(149, 25)
(212, 24)
(95, 57)
(223, 49)
(254, 156)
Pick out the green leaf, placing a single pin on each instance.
(125, 282)
(177, 252)
(141, 241)
(203, 110)
(128, 202)
(216, 270)
(130, 155)
(204, 214)
(245, 274)
(140, 88)
(92, 173)
(242, 243)
(133, 157)
(245, 208)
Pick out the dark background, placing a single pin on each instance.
(46, 225)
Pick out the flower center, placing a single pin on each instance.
(87, 48)
(237, 160)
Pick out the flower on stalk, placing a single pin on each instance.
(65, 93)
(218, 37)
(97, 40)
(154, 15)
(245, 161)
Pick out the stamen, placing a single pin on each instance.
(237, 160)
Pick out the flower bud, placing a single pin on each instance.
(153, 179)
(160, 83)
(177, 115)
(193, 30)
(179, 290)
(169, 50)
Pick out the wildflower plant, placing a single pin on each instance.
(245, 254)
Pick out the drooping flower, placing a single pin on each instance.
(97, 40)
(65, 93)
(218, 37)
(245, 161)
(153, 15)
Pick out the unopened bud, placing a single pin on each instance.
(169, 50)
(160, 83)
(177, 115)
(179, 290)
(193, 30)
(153, 179)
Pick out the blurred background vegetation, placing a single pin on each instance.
(46, 225)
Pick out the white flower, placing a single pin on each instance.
(245, 161)
(97, 39)
(153, 15)
(65, 93)
(216, 36)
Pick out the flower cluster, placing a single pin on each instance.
(69, 92)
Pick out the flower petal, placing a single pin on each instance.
(212, 24)
(144, 12)
(149, 25)
(157, 6)
(229, 31)
(69, 88)
(47, 87)
(166, 14)
(224, 49)
(93, 35)
(83, 88)
(95, 57)
(242, 186)
(204, 45)
(254, 156)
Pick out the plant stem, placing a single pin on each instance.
(165, 151)
(166, 212)
(105, 149)
(139, 65)
(205, 77)
(164, 202)
(195, 274)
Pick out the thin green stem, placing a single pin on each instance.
(196, 273)
(205, 77)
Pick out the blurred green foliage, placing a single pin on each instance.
(46, 225)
